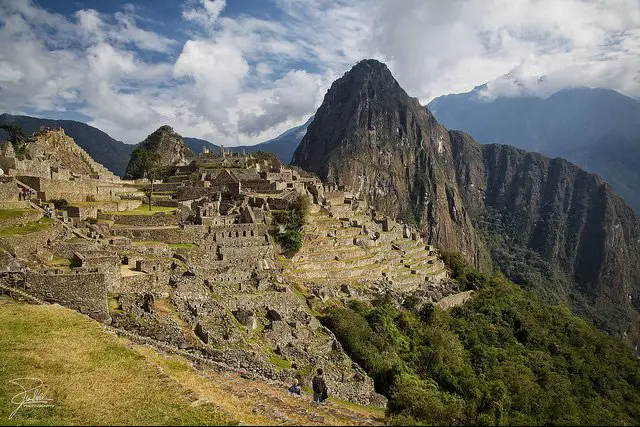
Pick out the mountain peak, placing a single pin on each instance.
(168, 144)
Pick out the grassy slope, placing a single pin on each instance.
(90, 375)
(95, 377)
(14, 213)
(144, 210)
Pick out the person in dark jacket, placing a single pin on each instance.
(320, 392)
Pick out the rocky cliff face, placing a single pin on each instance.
(371, 135)
(170, 147)
(571, 218)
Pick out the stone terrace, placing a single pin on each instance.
(356, 251)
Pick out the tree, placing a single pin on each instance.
(148, 162)
(16, 136)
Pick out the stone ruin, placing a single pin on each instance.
(205, 275)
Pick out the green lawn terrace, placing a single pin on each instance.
(143, 210)
(24, 230)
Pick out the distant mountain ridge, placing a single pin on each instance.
(112, 154)
(598, 129)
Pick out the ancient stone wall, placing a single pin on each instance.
(264, 187)
(239, 235)
(9, 190)
(78, 190)
(160, 219)
(188, 193)
(187, 234)
(243, 255)
(166, 186)
(68, 248)
(231, 276)
(142, 284)
(24, 246)
(85, 292)
(104, 262)
(86, 211)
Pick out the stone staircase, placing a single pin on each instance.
(16, 278)
(105, 174)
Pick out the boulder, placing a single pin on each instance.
(246, 318)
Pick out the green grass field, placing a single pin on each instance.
(14, 213)
(182, 245)
(94, 377)
(90, 375)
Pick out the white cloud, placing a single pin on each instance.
(205, 14)
(444, 47)
(245, 78)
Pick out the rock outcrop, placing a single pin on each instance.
(169, 146)
(371, 135)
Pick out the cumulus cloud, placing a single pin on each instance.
(244, 78)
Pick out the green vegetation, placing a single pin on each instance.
(144, 210)
(16, 137)
(182, 245)
(14, 213)
(92, 377)
(292, 221)
(290, 240)
(505, 357)
(529, 270)
(279, 362)
(30, 227)
(146, 242)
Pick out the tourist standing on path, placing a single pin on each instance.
(320, 392)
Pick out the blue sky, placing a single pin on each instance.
(243, 71)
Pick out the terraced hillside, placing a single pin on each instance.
(348, 254)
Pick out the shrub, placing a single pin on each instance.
(290, 241)
(60, 203)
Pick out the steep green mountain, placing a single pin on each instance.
(282, 146)
(112, 154)
(598, 129)
(563, 230)
(167, 145)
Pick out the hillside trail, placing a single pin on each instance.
(258, 401)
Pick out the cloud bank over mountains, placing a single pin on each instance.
(244, 76)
